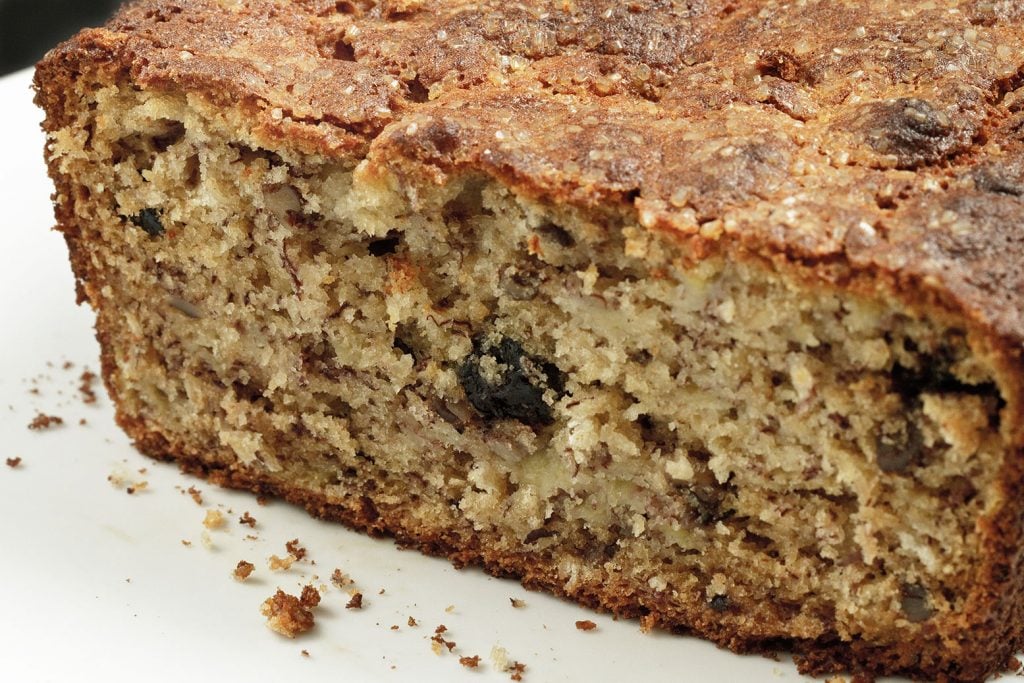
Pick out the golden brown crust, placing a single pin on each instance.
(875, 136)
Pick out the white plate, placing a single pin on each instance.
(95, 582)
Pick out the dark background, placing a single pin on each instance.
(28, 28)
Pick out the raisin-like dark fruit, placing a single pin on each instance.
(914, 603)
(912, 130)
(538, 534)
(149, 220)
(556, 234)
(897, 453)
(706, 504)
(934, 376)
(503, 382)
(719, 603)
(704, 497)
(1003, 178)
(383, 246)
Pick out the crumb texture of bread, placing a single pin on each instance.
(289, 615)
(708, 314)
(243, 570)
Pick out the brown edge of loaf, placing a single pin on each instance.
(998, 609)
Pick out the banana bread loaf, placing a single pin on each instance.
(704, 312)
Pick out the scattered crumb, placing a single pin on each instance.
(214, 519)
(187, 544)
(499, 656)
(438, 640)
(278, 564)
(449, 609)
(143, 470)
(356, 602)
(248, 520)
(250, 537)
(85, 387)
(340, 579)
(295, 550)
(243, 570)
(517, 603)
(647, 623)
(118, 480)
(43, 421)
(394, 627)
(261, 500)
(196, 494)
(82, 422)
(206, 540)
(305, 653)
(289, 615)
(310, 596)
(380, 592)
(413, 622)
(585, 625)
(67, 365)
(295, 553)
(139, 486)
(13, 462)
(470, 662)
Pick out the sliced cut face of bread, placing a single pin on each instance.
(743, 362)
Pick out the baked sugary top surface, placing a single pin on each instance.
(882, 136)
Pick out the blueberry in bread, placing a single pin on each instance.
(708, 313)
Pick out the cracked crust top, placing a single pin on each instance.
(880, 137)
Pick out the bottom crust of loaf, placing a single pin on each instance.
(362, 512)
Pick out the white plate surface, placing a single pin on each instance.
(97, 584)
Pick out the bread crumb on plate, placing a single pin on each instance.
(43, 421)
(243, 570)
(289, 615)
(214, 519)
